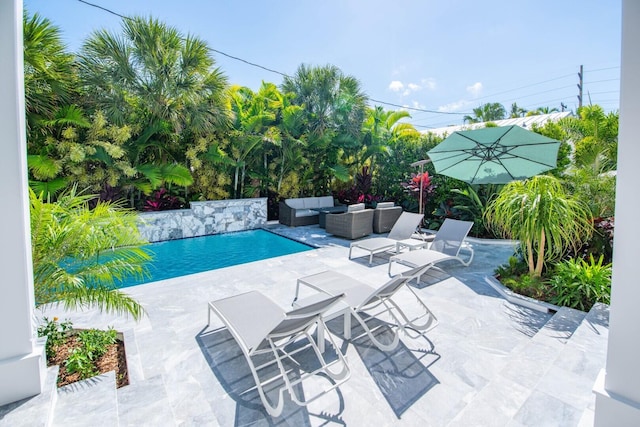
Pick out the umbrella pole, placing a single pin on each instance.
(421, 178)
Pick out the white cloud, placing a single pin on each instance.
(416, 104)
(429, 84)
(454, 106)
(396, 86)
(409, 88)
(475, 89)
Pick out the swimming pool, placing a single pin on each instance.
(174, 258)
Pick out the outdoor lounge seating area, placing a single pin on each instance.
(303, 211)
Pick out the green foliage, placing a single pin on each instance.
(555, 131)
(48, 70)
(580, 284)
(542, 216)
(93, 344)
(594, 134)
(529, 285)
(469, 204)
(516, 266)
(334, 109)
(486, 113)
(81, 254)
(596, 190)
(55, 333)
(80, 362)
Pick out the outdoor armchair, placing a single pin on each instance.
(385, 216)
(264, 332)
(403, 229)
(373, 307)
(446, 245)
(355, 223)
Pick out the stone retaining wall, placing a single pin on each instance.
(204, 218)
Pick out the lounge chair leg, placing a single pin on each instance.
(320, 338)
(347, 326)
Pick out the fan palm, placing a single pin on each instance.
(334, 109)
(48, 75)
(162, 83)
(80, 254)
(486, 113)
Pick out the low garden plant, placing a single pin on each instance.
(580, 283)
(82, 354)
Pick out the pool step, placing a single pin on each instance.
(90, 402)
(33, 411)
(143, 401)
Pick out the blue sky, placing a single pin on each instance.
(443, 56)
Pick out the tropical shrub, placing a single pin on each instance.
(420, 188)
(80, 255)
(55, 333)
(579, 284)
(542, 216)
(162, 200)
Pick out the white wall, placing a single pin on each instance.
(618, 387)
(22, 364)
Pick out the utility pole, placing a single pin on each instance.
(580, 77)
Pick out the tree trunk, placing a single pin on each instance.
(530, 262)
(541, 246)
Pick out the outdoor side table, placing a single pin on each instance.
(326, 283)
(414, 243)
(323, 212)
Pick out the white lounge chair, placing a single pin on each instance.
(261, 327)
(403, 229)
(368, 304)
(446, 245)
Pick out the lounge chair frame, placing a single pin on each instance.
(403, 229)
(367, 303)
(294, 325)
(446, 245)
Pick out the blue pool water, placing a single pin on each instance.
(176, 258)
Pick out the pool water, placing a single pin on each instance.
(174, 258)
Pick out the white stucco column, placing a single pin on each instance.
(22, 361)
(618, 386)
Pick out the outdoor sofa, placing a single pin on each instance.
(300, 211)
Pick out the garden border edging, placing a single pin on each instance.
(518, 299)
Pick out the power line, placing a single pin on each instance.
(416, 109)
(421, 110)
(105, 9)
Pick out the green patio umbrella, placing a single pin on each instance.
(494, 155)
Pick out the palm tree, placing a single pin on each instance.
(164, 85)
(48, 70)
(542, 216)
(517, 111)
(546, 110)
(334, 108)
(251, 119)
(594, 134)
(486, 113)
(80, 254)
(380, 132)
